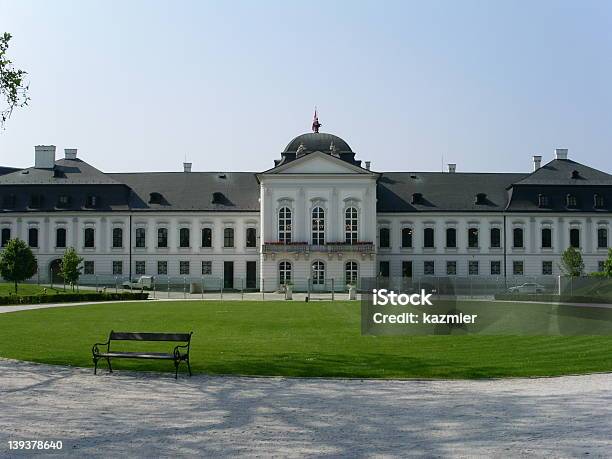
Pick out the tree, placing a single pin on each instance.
(571, 262)
(13, 89)
(70, 267)
(17, 262)
(607, 267)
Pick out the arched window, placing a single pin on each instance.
(350, 225)
(206, 237)
(407, 237)
(318, 226)
(90, 237)
(318, 273)
(117, 238)
(284, 272)
(602, 238)
(546, 238)
(6, 236)
(228, 237)
(351, 272)
(251, 237)
(184, 237)
(495, 237)
(473, 238)
(517, 237)
(428, 237)
(451, 237)
(284, 225)
(33, 237)
(141, 235)
(60, 237)
(575, 237)
(162, 237)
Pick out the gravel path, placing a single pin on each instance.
(151, 415)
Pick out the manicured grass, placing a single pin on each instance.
(291, 339)
(29, 289)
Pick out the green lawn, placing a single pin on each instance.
(29, 289)
(292, 339)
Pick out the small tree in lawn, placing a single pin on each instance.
(70, 267)
(607, 267)
(17, 262)
(571, 262)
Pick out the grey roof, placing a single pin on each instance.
(559, 172)
(318, 141)
(65, 172)
(192, 191)
(443, 191)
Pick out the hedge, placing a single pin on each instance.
(551, 298)
(72, 297)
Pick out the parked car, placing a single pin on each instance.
(142, 283)
(527, 287)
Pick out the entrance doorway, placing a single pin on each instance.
(228, 274)
(251, 274)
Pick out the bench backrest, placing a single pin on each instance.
(131, 336)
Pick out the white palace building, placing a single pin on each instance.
(318, 214)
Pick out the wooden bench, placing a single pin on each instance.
(178, 355)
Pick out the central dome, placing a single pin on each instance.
(318, 141)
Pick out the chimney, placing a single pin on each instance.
(70, 153)
(44, 156)
(561, 153)
(537, 162)
(452, 168)
(186, 167)
(368, 164)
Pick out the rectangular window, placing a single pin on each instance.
(547, 268)
(429, 268)
(517, 268)
(383, 269)
(140, 267)
(406, 269)
(228, 237)
(406, 237)
(451, 268)
(88, 267)
(162, 268)
(451, 238)
(384, 237)
(206, 268)
(117, 268)
(141, 238)
(495, 268)
(473, 268)
(183, 268)
(6, 236)
(117, 238)
(546, 238)
(473, 238)
(517, 238)
(251, 237)
(33, 237)
(60, 238)
(575, 237)
(602, 238)
(89, 236)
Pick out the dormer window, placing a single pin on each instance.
(63, 201)
(543, 200)
(36, 201)
(598, 201)
(91, 201)
(571, 201)
(417, 198)
(481, 198)
(8, 202)
(155, 198)
(575, 175)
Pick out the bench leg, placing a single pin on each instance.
(110, 367)
(176, 365)
(189, 367)
(95, 361)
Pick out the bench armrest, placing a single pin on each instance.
(177, 352)
(94, 348)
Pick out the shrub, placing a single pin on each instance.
(73, 297)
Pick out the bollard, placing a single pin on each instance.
(332, 289)
(184, 287)
(168, 287)
(202, 296)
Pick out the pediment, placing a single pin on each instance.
(318, 163)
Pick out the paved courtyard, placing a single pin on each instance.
(130, 414)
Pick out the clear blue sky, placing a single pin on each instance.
(137, 85)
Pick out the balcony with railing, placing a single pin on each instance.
(305, 247)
